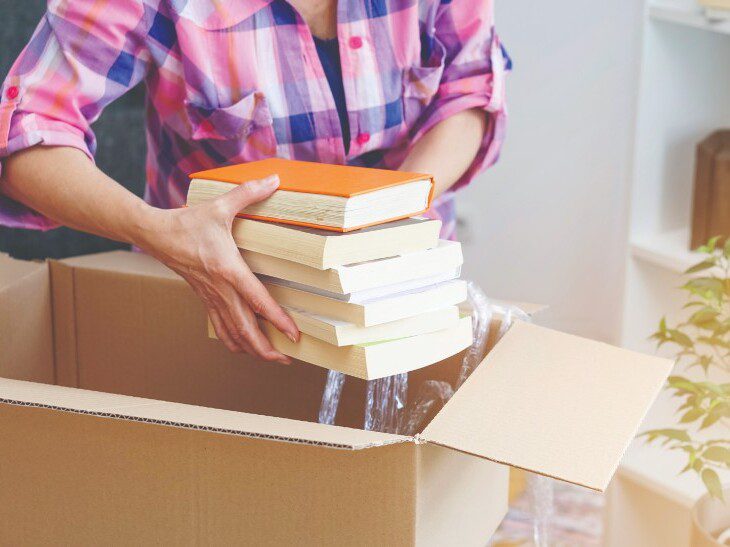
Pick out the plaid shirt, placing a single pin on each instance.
(231, 82)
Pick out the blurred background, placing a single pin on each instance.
(589, 209)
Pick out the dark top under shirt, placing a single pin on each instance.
(329, 56)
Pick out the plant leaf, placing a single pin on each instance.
(692, 415)
(717, 454)
(712, 483)
(704, 265)
(680, 338)
(709, 247)
(675, 434)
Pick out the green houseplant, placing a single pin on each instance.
(701, 341)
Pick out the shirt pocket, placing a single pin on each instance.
(421, 82)
(242, 131)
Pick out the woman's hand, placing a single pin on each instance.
(196, 242)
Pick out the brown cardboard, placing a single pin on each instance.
(173, 440)
(121, 459)
(567, 378)
(26, 343)
(113, 315)
(83, 480)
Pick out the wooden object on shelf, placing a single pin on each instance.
(715, 4)
(711, 208)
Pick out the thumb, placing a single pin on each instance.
(247, 193)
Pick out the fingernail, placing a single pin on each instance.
(292, 337)
(271, 181)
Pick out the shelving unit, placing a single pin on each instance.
(683, 96)
(669, 250)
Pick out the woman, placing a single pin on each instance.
(402, 84)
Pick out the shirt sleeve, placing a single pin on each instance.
(82, 55)
(475, 66)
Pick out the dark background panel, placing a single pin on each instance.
(120, 153)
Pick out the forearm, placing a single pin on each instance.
(196, 242)
(448, 149)
(63, 184)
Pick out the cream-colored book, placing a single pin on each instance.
(373, 274)
(377, 359)
(323, 249)
(342, 333)
(376, 311)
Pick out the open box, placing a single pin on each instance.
(121, 420)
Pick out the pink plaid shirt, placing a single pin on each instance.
(235, 81)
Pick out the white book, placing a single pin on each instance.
(443, 259)
(376, 311)
(343, 333)
(369, 294)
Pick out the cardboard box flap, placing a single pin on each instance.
(552, 403)
(12, 271)
(123, 407)
(122, 262)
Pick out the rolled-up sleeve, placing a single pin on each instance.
(474, 75)
(83, 55)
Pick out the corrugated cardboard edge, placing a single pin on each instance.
(183, 425)
(170, 414)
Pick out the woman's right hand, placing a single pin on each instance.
(196, 242)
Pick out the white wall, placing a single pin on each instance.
(547, 224)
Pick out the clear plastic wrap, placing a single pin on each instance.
(331, 397)
(385, 402)
(481, 320)
(431, 397)
(541, 495)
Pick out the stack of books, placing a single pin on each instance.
(371, 287)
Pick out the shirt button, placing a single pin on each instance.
(362, 138)
(12, 92)
(355, 42)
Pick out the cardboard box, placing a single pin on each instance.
(153, 433)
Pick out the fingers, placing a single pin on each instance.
(222, 332)
(262, 303)
(235, 325)
(246, 328)
(246, 194)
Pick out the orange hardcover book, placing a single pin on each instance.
(332, 197)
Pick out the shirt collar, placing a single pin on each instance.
(218, 14)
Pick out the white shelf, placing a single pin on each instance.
(669, 250)
(689, 14)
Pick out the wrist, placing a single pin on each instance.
(143, 221)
